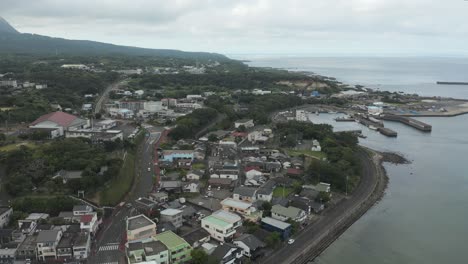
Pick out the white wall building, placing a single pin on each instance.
(221, 225)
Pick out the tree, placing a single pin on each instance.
(212, 138)
(200, 257)
(323, 197)
(273, 239)
(266, 207)
(241, 128)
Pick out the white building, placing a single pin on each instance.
(89, 222)
(221, 225)
(374, 110)
(172, 216)
(5, 213)
(46, 244)
(301, 115)
(260, 92)
(244, 122)
(154, 106)
(316, 146)
(75, 66)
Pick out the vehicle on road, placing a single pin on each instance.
(290, 241)
(149, 169)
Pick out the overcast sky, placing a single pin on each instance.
(317, 27)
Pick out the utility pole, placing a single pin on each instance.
(346, 185)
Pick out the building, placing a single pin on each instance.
(195, 175)
(236, 206)
(94, 135)
(174, 155)
(250, 245)
(5, 213)
(46, 244)
(221, 225)
(56, 123)
(81, 246)
(75, 66)
(244, 122)
(170, 186)
(10, 83)
(173, 216)
(151, 251)
(265, 192)
(251, 172)
(197, 237)
(154, 106)
(273, 225)
(179, 249)
(301, 115)
(374, 110)
(193, 187)
(146, 206)
(282, 213)
(243, 193)
(227, 254)
(159, 197)
(140, 227)
(222, 183)
(105, 124)
(82, 209)
(316, 146)
(89, 222)
(260, 92)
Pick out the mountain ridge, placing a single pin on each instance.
(14, 42)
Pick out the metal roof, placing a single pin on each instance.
(275, 223)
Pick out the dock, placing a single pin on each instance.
(453, 83)
(387, 132)
(345, 119)
(408, 121)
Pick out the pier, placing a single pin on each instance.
(387, 132)
(408, 121)
(453, 83)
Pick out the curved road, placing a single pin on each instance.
(312, 240)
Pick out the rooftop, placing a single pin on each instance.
(170, 240)
(196, 235)
(60, 118)
(227, 216)
(267, 187)
(216, 221)
(153, 247)
(275, 223)
(138, 221)
(171, 212)
(236, 203)
(4, 209)
(290, 211)
(251, 241)
(47, 236)
(245, 191)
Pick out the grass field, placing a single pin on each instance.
(314, 154)
(279, 191)
(11, 147)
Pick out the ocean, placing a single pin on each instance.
(422, 216)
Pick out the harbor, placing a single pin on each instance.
(408, 121)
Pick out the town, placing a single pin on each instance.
(129, 175)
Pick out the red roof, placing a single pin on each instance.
(61, 118)
(239, 134)
(86, 218)
(249, 168)
(294, 171)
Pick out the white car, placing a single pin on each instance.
(149, 169)
(290, 241)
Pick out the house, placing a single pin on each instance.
(159, 197)
(173, 216)
(197, 237)
(236, 206)
(81, 245)
(59, 121)
(265, 192)
(46, 244)
(273, 225)
(250, 245)
(244, 193)
(145, 205)
(229, 174)
(170, 186)
(293, 172)
(320, 187)
(244, 122)
(316, 146)
(5, 213)
(193, 187)
(7, 255)
(307, 205)
(195, 175)
(27, 226)
(227, 253)
(95, 135)
(282, 213)
(251, 172)
(74, 244)
(82, 209)
(27, 249)
(140, 227)
(223, 183)
(68, 175)
(87, 107)
(179, 249)
(89, 222)
(151, 251)
(174, 155)
(221, 225)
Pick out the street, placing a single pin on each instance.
(309, 242)
(109, 248)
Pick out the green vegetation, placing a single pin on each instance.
(309, 153)
(187, 126)
(199, 256)
(52, 205)
(341, 166)
(273, 240)
(282, 191)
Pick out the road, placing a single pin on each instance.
(316, 237)
(109, 248)
(105, 95)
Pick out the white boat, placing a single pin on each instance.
(372, 127)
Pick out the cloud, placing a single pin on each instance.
(251, 25)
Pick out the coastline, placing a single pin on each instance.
(315, 238)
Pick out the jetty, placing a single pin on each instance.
(408, 121)
(453, 83)
(387, 132)
(345, 119)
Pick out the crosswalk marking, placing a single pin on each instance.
(109, 247)
(109, 262)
